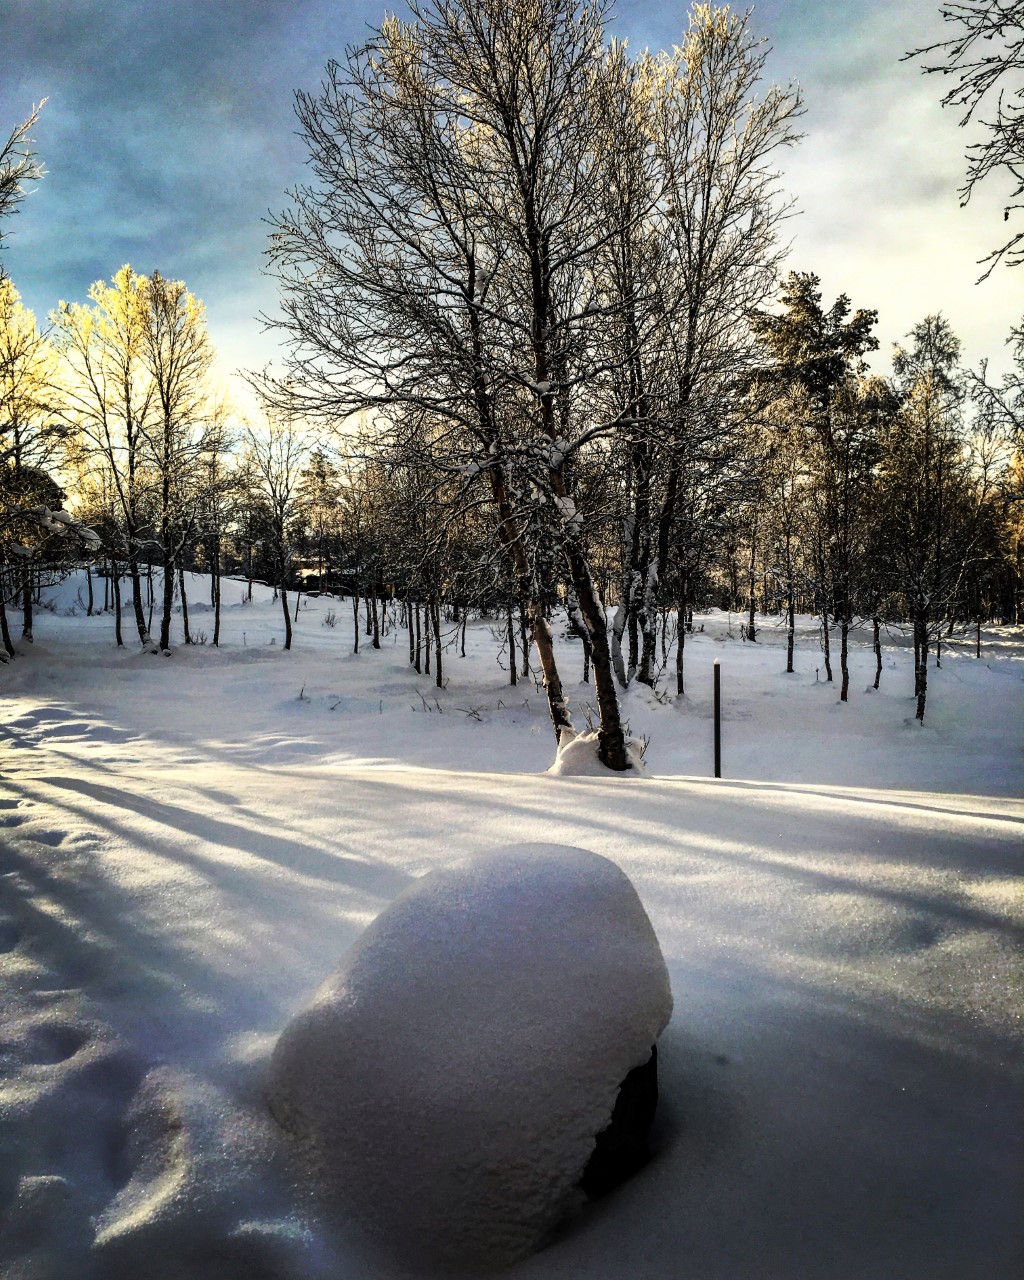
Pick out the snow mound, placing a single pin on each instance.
(445, 1086)
(577, 756)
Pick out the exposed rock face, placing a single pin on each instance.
(622, 1148)
(445, 1086)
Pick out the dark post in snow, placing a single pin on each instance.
(718, 719)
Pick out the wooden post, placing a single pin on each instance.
(718, 719)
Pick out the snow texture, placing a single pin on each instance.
(187, 847)
(446, 1084)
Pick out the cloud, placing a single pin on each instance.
(170, 133)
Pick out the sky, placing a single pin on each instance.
(169, 135)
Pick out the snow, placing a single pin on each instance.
(446, 1084)
(189, 847)
(577, 756)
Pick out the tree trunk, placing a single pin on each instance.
(876, 628)
(524, 641)
(106, 587)
(790, 626)
(611, 736)
(618, 631)
(511, 538)
(151, 599)
(752, 585)
(826, 645)
(5, 630)
(977, 638)
(439, 673)
(284, 608)
(376, 619)
(417, 660)
(184, 605)
(88, 583)
(844, 656)
(26, 605)
(115, 575)
(633, 631)
(355, 621)
(681, 635)
(513, 670)
(921, 683)
(648, 616)
(168, 602)
(216, 592)
(369, 619)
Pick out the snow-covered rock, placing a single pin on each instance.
(446, 1085)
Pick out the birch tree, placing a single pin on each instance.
(440, 266)
(109, 398)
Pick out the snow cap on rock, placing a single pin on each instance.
(446, 1084)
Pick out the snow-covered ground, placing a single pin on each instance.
(190, 843)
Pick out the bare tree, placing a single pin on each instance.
(440, 267)
(985, 55)
(18, 167)
(275, 454)
(177, 354)
(109, 398)
(715, 133)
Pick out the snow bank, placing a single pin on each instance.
(446, 1085)
(577, 756)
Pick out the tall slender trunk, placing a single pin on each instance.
(826, 644)
(513, 670)
(876, 630)
(115, 575)
(184, 604)
(88, 583)
(376, 618)
(417, 659)
(844, 655)
(921, 683)
(752, 582)
(511, 538)
(524, 641)
(681, 634)
(648, 617)
(106, 586)
(284, 605)
(611, 735)
(26, 605)
(412, 633)
(5, 630)
(439, 671)
(368, 618)
(355, 622)
(168, 599)
(216, 592)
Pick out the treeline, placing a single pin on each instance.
(538, 353)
